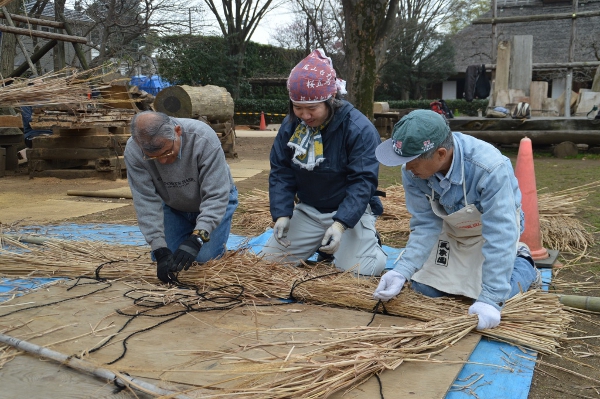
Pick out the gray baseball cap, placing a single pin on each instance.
(416, 133)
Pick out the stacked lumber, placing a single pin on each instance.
(226, 134)
(86, 142)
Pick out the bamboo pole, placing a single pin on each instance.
(82, 365)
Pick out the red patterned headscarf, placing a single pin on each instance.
(314, 79)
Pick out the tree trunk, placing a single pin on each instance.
(367, 25)
(9, 45)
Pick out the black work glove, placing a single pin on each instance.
(186, 253)
(164, 264)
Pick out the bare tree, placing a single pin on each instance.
(238, 19)
(121, 27)
(415, 38)
(368, 24)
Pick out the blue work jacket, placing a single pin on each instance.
(492, 187)
(345, 181)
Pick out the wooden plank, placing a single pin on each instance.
(110, 164)
(502, 72)
(116, 141)
(119, 97)
(538, 92)
(88, 131)
(520, 63)
(11, 121)
(70, 153)
(507, 124)
(77, 174)
(39, 165)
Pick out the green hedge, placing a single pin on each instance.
(277, 106)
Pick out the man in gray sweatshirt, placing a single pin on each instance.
(183, 192)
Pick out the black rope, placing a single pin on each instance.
(297, 283)
(380, 386)
(375, 309)
(62, 300)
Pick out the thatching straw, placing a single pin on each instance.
(558, 226)
(342, 361)
(533, 319)
(253, 215)
(68, 86)
(5, 2)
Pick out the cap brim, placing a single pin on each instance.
(386, 155)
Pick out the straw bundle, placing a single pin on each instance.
(341, 362)
(558, 226)
(253, 215)
(5, 2)
(67, 86)
(535, 320)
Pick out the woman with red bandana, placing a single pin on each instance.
(324, 156)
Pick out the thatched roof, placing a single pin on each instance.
(473, 45)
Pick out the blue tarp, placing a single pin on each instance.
(505, 370)
(152, 84)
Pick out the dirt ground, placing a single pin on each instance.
(576, 374)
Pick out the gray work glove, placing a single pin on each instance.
(280, 230)
(390, 285)
(489, 316)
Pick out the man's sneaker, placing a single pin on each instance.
(537, 284)
(524, 252)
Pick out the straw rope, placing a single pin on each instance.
(532, 319)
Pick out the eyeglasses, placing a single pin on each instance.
(165, 155)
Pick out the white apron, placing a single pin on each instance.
(455, 263)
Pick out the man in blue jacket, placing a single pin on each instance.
(324, 154)
(466, 219)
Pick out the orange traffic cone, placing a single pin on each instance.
(263, 125)
(525, 174)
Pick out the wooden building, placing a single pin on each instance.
(551, 42)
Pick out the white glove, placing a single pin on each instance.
(489, 316)
(280, 230)
(332, 238)
(390, 285)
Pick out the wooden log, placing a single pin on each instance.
(538, 137)
(34, 21)
(381, 107)
(72, 153)
(45, 35)
(212, 102)
(535, 124)
(532, 18)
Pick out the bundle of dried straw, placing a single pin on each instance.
(559, 227)
(344, 360)
(532, 319)
(68, 86)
